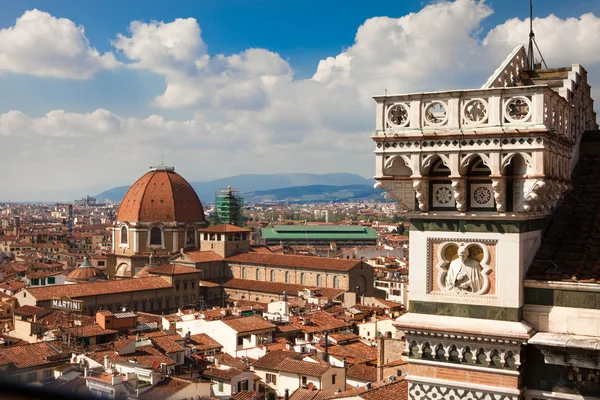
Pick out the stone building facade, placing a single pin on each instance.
(480, 174)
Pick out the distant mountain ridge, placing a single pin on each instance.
(316, 193)
(252, 183)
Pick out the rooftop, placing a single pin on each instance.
(570, 247)
(248, 324)
(282, 260)
(98, 288)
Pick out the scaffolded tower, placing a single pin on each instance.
(228, 207)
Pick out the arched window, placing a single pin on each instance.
(319, 280)
(243, 272)
(336, 282)
(124, 235)
(272, 277)
(155, 236)
(258, 274)
(287, 277)
(190, 236)
(302, 279)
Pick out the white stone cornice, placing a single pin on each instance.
(571, 286)
(495, 371)
(462, 385)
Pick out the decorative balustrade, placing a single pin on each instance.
(480, 110)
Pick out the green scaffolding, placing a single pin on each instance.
(229, 206)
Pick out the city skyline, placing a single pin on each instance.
(89, 103)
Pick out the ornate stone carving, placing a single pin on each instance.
(517, 109)
(463, 268)
(422, 190)
(400, 191)
(475, 112)
(532, 200)
(499, 186)
(398, 115)
(464, 273)
(459, 189)
(436, 113)
(423, 391)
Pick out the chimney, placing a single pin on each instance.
(217, 363)
(380, 357)
(326, 346)
(17, 228)
(106, 362)
(287, 394)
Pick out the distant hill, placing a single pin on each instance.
(316, 193)
(255, 182)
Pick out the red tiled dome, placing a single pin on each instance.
(161, 195)
(86, 272)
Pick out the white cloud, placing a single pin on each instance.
(252, 116)
(42, 45)
(194, 79)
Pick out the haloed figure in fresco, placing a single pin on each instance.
(464, 273)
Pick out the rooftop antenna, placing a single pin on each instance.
(530, 56)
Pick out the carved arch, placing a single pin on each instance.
(507, 158)
(405, 164)
(428, 161)
(467, 158)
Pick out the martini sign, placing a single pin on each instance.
(65, 303)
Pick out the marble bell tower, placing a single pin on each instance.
(478, 172)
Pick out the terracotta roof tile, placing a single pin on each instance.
(283, 260)
(222, 373)
(161, 196)
(201, 256)
(98, 288)
(174, 269)
(248, 324)
(570, 247)
(168, 344)
(277, 287)
(362, 372)
(314, 394)
(302, 367)
(273, 358)
(202, 342)
(27, 355)
(224, 228)
(165, 389)
(143, 355)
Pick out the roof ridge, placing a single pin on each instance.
(171, 195)
(139, 208)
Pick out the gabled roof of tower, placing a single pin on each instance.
(224, 228)
(571, 244)
(161, 195)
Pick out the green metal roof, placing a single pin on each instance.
(330, 232)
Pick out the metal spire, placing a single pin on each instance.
(532, 42)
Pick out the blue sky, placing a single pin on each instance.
(300, 33)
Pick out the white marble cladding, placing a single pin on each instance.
(512, 252)
(437, 390)
(474, 351)
(477, 110)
